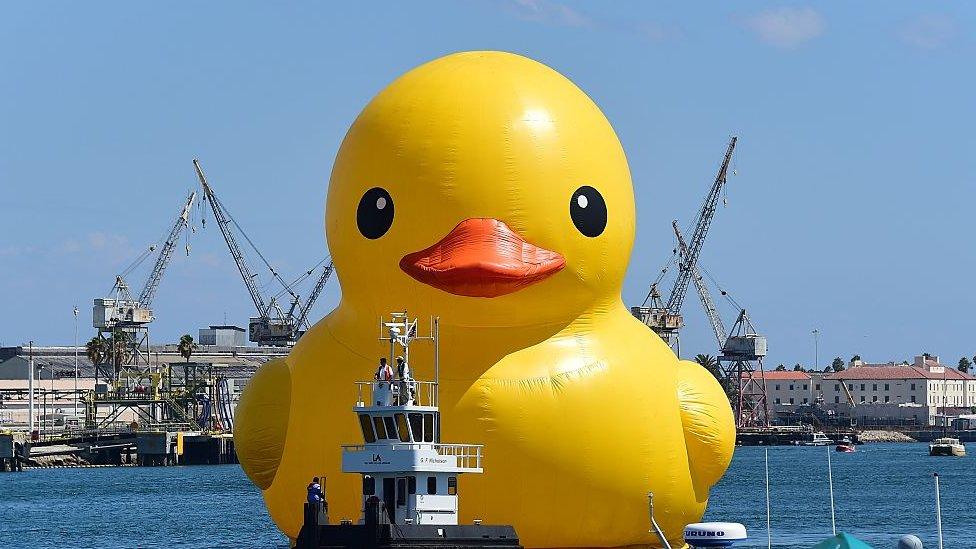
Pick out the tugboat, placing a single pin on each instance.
(409, 477)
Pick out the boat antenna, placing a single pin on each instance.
(938, 508)
(769, 532)
(437, 359)
(830, 481)
(655, 529)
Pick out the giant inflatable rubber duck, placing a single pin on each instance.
(488, 190)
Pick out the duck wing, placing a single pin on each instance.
(708, 422)
(261, 422)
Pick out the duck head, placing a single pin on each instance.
(483, 187)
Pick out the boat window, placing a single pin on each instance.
(452, 486)
(417, 426)
(429, 428)
(401, 421)
(380, 430)
(367, 427)
(411, 485)
(401, 490)
(369, 485)
(391, 431)
(431, 485)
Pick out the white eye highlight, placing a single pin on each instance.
(582, 201)
(380, 203)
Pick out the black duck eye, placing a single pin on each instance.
(375, 213)
(588, 210)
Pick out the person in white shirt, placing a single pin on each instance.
(383, 389)
(384, 372)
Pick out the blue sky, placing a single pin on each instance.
(851, 211)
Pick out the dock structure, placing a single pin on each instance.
(173, 410)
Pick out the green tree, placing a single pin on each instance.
(781, 368)
(855, 357)
(711, 364)
(186, 346)
(798, 368)
(837, 365)
(964, 365)
(96, 350)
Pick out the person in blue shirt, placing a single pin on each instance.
(315, 494)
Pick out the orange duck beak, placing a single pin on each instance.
(482, 257)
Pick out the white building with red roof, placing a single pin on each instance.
(923, 391)
(788, 387)
(917, 393)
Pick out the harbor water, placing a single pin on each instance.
(881, 492)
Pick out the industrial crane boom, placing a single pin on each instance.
(223, 221)
(303, 314)
(718, 328)
(165, 254)
(689, 260)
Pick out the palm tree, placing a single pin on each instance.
(121, 349)
(186, 346)
(707, 361)
(95, 350)
(711, 364)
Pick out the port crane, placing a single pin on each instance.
(272, 326)
(665, 317)
(122, 319)
(738, 350)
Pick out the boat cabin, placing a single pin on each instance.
(402, 461)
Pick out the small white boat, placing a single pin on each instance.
(947, 446)
(818, 439)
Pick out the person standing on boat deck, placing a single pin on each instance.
(315, 494)
(383, 388)
(384, 372)
(403, 369)
(403, 374)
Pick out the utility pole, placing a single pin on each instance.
(76, 362)
(30, 388)
(816, 350)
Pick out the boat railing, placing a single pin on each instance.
(396, 393)
(468, 455)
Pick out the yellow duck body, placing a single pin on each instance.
(581, 408)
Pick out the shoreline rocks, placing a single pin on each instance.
(884, 436)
